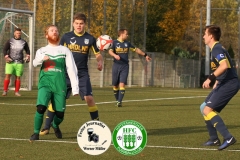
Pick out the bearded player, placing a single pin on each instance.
(55, 61)
(80, 43)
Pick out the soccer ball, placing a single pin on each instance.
(104, 42)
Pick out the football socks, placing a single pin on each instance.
(218, 123)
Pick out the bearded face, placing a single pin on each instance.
(53, 35)
(53, 38)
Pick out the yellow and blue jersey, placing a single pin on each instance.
(218, 55)
(122, 49)
(80, 45)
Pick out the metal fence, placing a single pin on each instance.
(165, 70)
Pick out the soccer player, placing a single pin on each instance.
(120, 68)
(13, 54)
(225, 87)
(55, 60)
(80, 42)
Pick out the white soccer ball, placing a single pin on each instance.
(104, 42)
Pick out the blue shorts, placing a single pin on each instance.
(222, 94)
(119, 73)
(85, 87)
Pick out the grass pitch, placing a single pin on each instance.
(175, 127)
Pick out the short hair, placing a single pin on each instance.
(79, 16)
(46, 29)
(215, 31)
(121, 31)
(17, 29)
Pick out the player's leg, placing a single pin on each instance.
(123, 80)
(44, 95)
(115, 80)
(213, 140)
(49, 119)
(17, 85)
(116, 92)
(86, 93)
(18, 73)
(59, 105)
(51, 113)
(217, 102)
(8, 72)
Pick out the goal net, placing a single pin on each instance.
(8, 22)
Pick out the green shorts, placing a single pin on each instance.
(14, 68)
(45, 95)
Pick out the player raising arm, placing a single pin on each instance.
(55, 60)
(120, 68)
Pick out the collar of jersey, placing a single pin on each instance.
(79, 34)
(214, 44)
(17, 38)
(120, 40)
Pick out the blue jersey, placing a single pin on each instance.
(122, 48)
(219, 54)
(80, 45)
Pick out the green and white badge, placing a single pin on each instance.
(129, 137)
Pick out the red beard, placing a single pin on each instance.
(54, 39)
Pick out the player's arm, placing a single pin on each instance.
(26, 48)
(223, 66)
(117, 57)
(97, 54)
(72, 72)
(112, 53)
(6, 48)
(140, 52)
(39, 58)
(5, 52)
(99, 60)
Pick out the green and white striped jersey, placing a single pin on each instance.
(53, 71)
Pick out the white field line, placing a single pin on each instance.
(140, 100)
(148, 146)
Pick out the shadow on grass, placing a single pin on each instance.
(182, 130)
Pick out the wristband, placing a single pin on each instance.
(212, 77)
(145, 55)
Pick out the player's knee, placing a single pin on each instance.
(59, 114)
(41, 109)
(89, 100)
(202, 106)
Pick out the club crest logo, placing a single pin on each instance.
(129, 137)
(94, 137)
(86, 41)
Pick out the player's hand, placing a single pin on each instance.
(117, 57)
(27, 59)
(206, 84)
(100, 66)
(148, 58)
(8, 59)
(45, 58)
